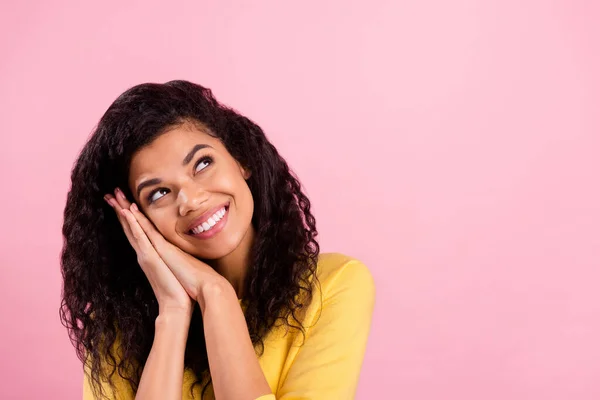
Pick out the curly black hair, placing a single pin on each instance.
(106, 296)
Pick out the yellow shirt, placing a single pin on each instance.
(327, 365)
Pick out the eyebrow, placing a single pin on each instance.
(186, 161)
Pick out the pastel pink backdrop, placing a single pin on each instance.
(452, 146)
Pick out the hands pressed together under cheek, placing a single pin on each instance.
(177, 278)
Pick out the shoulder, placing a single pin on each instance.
(337, 272)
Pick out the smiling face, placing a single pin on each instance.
(186, 178)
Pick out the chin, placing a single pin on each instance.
(218, 248)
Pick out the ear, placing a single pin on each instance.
(246, 173)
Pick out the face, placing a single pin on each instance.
(194, 192)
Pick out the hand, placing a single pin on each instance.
(193, 274)
(171, 296)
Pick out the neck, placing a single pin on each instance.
(234, 266)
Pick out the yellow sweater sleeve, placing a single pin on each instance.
(328, 364)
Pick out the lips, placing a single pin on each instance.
(206, 215)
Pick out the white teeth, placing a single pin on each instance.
(212, 221)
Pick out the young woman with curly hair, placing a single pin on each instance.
(190, 264)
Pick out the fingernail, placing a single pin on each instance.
(134, 207)
(106, 198)
(121, 194)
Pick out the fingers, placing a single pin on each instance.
(117, 208)
(140, 231)
(138, 228)
(118, 202)
(141, 239)
(121, 199)
(145, 223)
(148, 227)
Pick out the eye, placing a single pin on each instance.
(151, 198)
(206, 160)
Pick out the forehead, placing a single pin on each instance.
(168, 150)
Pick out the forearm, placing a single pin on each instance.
(236, 373)
(162, 377)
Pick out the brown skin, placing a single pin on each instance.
(170, 258)
(205, 185)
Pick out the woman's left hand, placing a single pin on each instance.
(193, 274)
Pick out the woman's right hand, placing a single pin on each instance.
(171, 296)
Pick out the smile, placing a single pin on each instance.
(212, 225)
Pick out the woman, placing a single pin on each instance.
(190, 264)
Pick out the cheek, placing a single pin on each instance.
(234, 185)
(246, 202)
(228, 181)
(231, 182)
(163, 225)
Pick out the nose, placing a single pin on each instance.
(190, 199)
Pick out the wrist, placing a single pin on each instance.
(173, 315)
(172, 326)
(215, 288)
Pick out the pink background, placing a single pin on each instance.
(452, 146)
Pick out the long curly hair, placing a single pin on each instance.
(106, 297)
